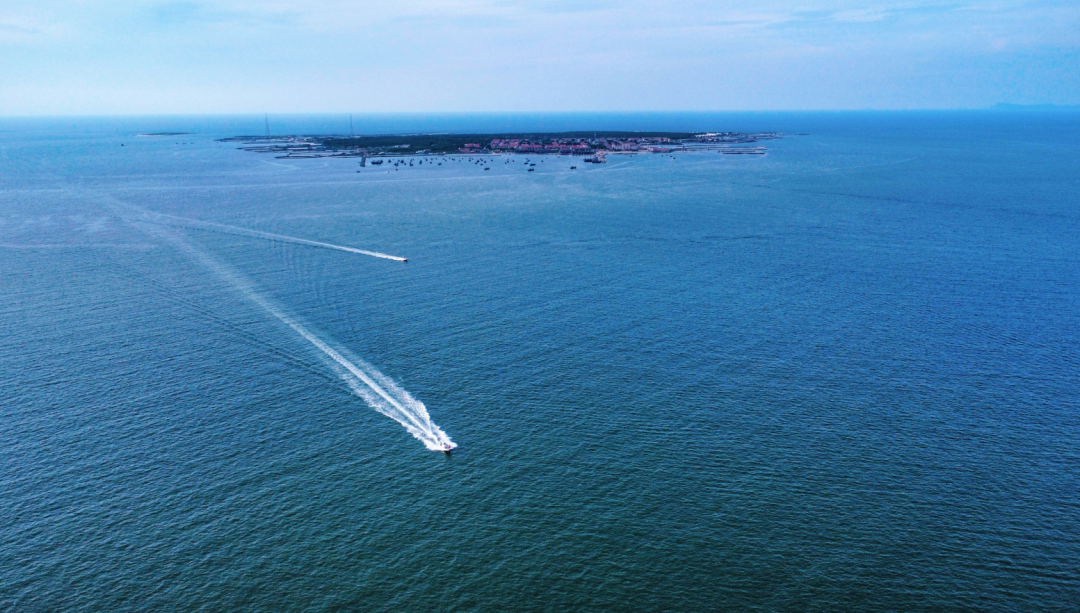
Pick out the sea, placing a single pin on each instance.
(840, 376)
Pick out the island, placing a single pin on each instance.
(595, 146)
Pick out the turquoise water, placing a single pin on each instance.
(842, 376)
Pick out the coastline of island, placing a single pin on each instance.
(594, 145)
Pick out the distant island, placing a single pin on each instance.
(593, 144)
(1006, 106)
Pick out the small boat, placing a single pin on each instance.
(447, 448)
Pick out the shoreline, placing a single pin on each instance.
(570, 144)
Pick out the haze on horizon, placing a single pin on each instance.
(287, 56)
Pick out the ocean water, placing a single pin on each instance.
(841, 376)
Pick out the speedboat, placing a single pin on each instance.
(447, 448)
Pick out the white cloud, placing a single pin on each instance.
(237, 55)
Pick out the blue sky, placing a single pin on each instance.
(286, 56)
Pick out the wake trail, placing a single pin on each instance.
(379, 391)
(209, 225)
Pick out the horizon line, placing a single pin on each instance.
(1002, 106)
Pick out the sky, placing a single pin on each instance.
(88, 57)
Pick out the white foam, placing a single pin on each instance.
(195, 223)
(378, 391)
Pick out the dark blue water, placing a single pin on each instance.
(842, 376)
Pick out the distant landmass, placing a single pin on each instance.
(1006, 106)
(552, 143)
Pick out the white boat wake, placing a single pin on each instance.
(378, 391)
(209, 225)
